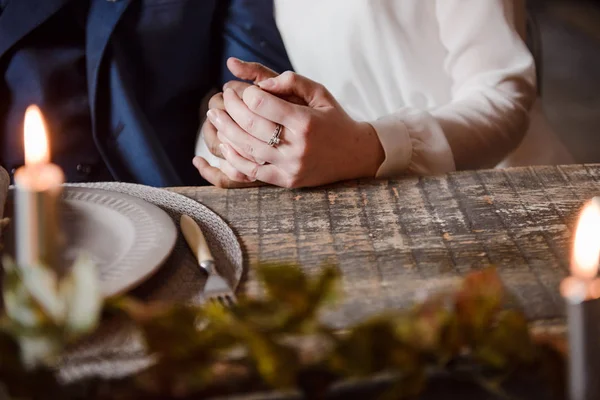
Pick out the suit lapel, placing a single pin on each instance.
(133, 149)
(22, 16)
(103, 18)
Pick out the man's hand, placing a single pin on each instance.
(227, 176)
(320, 143)
(253, 72)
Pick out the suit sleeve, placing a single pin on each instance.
(250, 33)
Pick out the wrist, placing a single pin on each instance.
(372, 150)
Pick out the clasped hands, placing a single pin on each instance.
(320, 143)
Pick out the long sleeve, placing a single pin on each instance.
(250, 33)
(493, 89)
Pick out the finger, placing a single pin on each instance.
(254, 124)
(233, 174)
(216, 177)
(209, 134)
(274, 109)
(244, 143)
(216, 101)
(265, 173)
(249, 71)
(291, 84)
(237, 86)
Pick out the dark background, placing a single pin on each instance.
(570, 37)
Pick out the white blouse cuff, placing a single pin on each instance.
(414, 144)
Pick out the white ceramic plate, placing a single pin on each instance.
(128, 238)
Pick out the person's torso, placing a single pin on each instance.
(48, 69)
(169, 54)
(375, 56)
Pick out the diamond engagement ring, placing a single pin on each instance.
(274, 141)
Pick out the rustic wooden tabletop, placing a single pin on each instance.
(397, 240)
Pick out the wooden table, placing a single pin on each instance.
(396, 240)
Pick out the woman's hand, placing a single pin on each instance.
(247, 71)
(320, 143)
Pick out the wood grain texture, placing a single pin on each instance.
(397, 240)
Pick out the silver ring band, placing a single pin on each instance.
(275, 139)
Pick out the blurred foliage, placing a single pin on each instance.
(277, 341)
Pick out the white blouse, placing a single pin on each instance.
(445, 83)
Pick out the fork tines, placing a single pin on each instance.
(218, 291)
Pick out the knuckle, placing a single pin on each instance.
(250, 124)
(295, 172)
(216, 101)
(239, 87)
(253, 173)
(288, 183)
(249, 149)
(289, 77)
(207, 128)
(306, 125)
(253, 99)
(321, 91)
(295, 169)
(222, 182)
(293, 182)
(213, 147)
(239, 177)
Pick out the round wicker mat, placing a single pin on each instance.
(115, 349)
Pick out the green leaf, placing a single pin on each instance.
(408, 386)
(20, 306)
(40, 350)
(508, 342)
(41, 284)
(9, 349)
(168, 330)
(276, 341)
(276, 363)
(286, 284)
(372, 347)
(80, 291)
(324, 288)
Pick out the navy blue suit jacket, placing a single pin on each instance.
(149, 64)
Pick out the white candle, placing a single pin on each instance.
(38, 188)
(582, 292)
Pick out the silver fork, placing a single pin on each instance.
(216, 290)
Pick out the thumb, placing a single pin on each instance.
(249, 71)
(290, 84)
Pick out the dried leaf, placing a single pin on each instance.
(478, 301)
(431, 328)
(261, 342)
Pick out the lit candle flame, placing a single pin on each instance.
(586, 252)
(35, 138)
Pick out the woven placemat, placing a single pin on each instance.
(116, 350)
